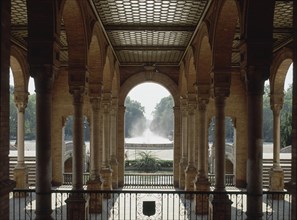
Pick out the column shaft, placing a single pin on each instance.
(255, 151)
(77, 156)
(276, 136)
(20, 136)
(184, 144)
(43, 147)
(202, 141)
(95, 139)
(220, 143)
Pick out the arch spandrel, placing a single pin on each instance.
(225, 27)
(95, 62)
(182, 82)
(20, 69)
(190, 71)
(203, 59)
(279, 69)
(108, 71)
(74, 20)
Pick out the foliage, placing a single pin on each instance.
(286, 119)
(162, 123)
(267, 116)
(135, 122)
(147, 162)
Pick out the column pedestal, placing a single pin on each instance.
(77, 207)
(190, 174)
(276, 182)
(20, 176)
(95, 201)
(202, 200)
(220, 207)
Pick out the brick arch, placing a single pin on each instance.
(108, 71)
(95, 61)
(203, 55)
(190, 71)
(279, 69)
(182, 82)
(76, 31)
(116, 81)
(142, 77)
(20, 69)
(224, 30)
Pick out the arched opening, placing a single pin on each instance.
(149, 129)
(67, 150)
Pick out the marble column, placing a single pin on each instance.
(21, 171)
(191, 170)
(202, 183)
(276, 174)
(95, 181)
(43, 88)
(113, 142)
(184, 146)
(106, 171)
(76, 203)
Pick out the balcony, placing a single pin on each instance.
(150, 196)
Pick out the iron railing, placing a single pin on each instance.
(158, 204)
(148, 179)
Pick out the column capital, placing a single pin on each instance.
(276, 99)
(202, 104)
(78, 95)
(44, 76)
(95, 103)
(21, 100)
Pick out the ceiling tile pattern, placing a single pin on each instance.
(155, 32)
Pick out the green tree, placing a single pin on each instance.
(286, 118)
(162, 123)
(135, 122)
(30, 118)
(267, 116)
(12, 115)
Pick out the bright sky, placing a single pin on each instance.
(148, 94)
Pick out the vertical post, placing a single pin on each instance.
(202, 183)
(255, 89)
(113, 142)
(21, 171)
(95, 181)
(184, 145)
(191, 170)
(276, 174)
(43, 85)
(106, 171)
(121, 145)
(177, 149)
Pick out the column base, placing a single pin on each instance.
(77, 207)
(20, 175)
(202, 200)
(114, 166)
(95, 201)
(220, 207)
(276, 182)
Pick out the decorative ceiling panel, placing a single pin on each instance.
(150, 31)
(19, 12)
(283, 14)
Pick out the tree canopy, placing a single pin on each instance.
(162, 123)
(135, 122)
